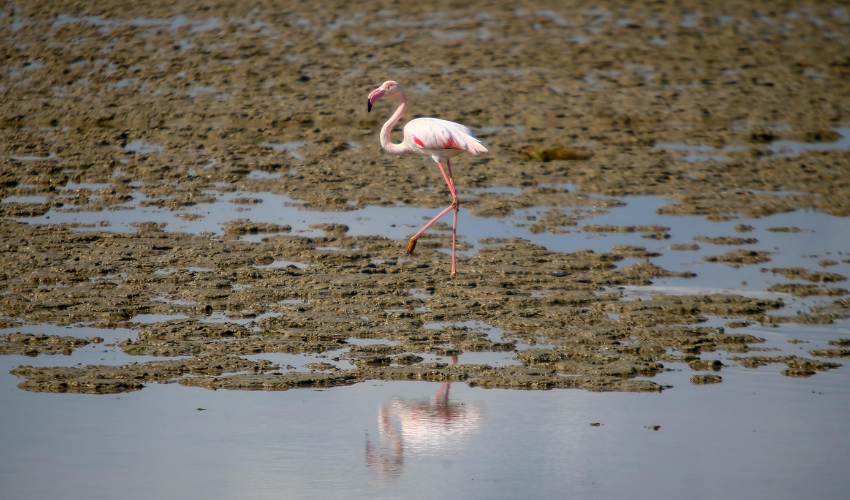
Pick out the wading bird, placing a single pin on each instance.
(439, 139)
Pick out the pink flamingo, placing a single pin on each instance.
(439, 139)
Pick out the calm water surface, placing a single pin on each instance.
(756, 435)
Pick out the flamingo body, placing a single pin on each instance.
(439, 139)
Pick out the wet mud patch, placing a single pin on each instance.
(107, 379)
(737, 258)
(475, 376)
(232, 304)
(232, 307)
(595, 228)
(706, 379)
(726, 240)
(805, 274)
(806, 290)
(797, 366)
(831, 353)
(28, 344)
(685, 247)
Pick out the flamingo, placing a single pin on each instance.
(439, 139)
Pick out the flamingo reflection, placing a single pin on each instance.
(419, 426)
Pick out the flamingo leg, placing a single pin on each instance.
(451, 177)
(412, 245)
(456, 205)
(447, 175)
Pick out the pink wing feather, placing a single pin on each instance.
(435, 134)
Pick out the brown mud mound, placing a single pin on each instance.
(473, 375)
(706, 379)
(29, 344)
(726, 240)
(103, 379)
(805, 290)
(805, 274)
(797, 366)
(737, 258)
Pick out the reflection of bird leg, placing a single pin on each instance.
(391, 463)
(389, 432)
(443, 393)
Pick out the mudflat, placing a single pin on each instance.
(176, 109)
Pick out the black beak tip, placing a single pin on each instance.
(368, 106)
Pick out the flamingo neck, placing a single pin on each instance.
(386, 143)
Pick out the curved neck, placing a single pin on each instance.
(386, 143)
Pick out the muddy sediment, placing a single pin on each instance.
(737, 258)
(344, 295)
(167, 105)
(105, 379)
(806, 290)
(797, 366)
(29, 344)
(706, 379)
(727, 240)
(805, 274)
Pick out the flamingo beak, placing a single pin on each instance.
(374, 96)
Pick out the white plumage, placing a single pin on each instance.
(439, 139)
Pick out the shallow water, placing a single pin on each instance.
(771, 437)
(705, 152)
(821, 233)
(104, 353)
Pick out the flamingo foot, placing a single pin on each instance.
(411, 246)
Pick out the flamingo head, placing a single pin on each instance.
(389, 87)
